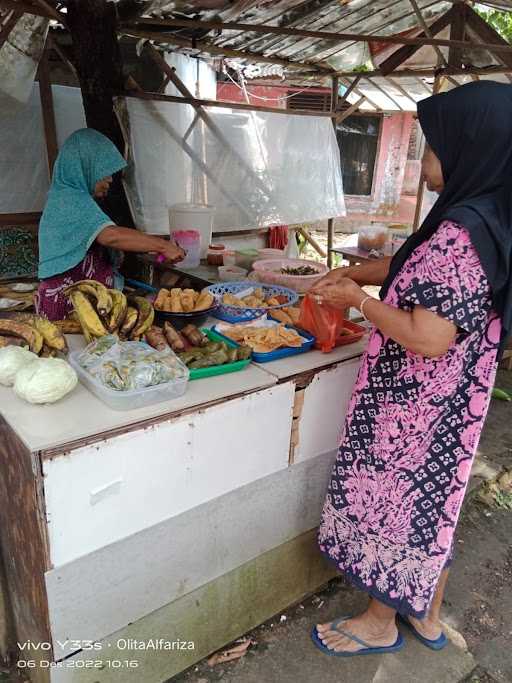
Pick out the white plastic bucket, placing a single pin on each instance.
(193, 217)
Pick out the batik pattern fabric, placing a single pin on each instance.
(411, 432)
(50, 300)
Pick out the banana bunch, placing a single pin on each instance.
(102, 311)
(34, 333)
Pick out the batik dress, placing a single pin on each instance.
(411, 432)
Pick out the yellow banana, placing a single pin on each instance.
(53, 337)
(146, 315)
(24, 331)
(118, 312)
(95, 290)
(129, 323)
(89, 319)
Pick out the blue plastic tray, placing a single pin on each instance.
(233, 314)
(279, 353)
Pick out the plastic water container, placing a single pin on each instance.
(193, 217)
(190, 242)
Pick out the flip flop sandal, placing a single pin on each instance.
(367, 648)
(437, 644)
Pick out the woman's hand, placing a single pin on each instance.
(333, 277)
(172, 252)
(341, 295)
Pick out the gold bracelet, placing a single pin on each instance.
(361, 307)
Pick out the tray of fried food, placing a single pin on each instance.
(179, 300)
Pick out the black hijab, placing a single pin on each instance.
(470, 131)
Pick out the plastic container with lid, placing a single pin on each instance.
(215, 254)
(229, 258)
(190, 242)
(372, 238)
(193, 217)
(232, 273)
(129, 400)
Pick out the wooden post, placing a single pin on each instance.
(46, 97)
(97, 58)
(330, 222)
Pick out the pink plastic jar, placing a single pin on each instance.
(190, 242)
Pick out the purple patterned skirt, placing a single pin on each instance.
(50, 300)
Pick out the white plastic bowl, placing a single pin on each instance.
(232, 273)
(269, 272)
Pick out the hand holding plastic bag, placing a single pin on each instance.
(324, 322)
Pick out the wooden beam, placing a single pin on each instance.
(488, 36)
(26, 7)
(46, 97)
(173, 77)
(430, 73)
(7, 27)
(348, 91)
(358, 92)
(386, 94)
(457, 32)
(415, 42)
(66, 59)
(408, 50)
(158, 97)
(427, 31)
(348, 112)
(202, 46)
(54, 14)
(335, 86)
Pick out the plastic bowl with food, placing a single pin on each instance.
(297, 274)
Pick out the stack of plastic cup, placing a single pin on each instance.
(190, 242)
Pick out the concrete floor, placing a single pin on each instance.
(477, 609)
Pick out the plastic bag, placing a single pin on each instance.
(129, 366)
(322, 321)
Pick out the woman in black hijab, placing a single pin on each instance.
(425, 381)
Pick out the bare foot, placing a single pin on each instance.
(364, 626)
(427, 627)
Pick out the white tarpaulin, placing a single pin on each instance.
(24, 178)
(258, 169)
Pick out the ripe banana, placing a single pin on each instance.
(146, 315)
(89, 319)
(32, 337)
(53, 337)
(129, 323)
(95, 290)
(118, 312)
(68, 326)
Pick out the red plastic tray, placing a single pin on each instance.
(357, 333)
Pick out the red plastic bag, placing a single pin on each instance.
(324, 322)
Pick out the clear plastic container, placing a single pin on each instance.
(372, 238)
(229, 258)
(128, 400)
(190, 242)
(246, 257)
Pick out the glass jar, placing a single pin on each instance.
(215, 254)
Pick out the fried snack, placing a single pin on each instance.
(283, 317)
(155, 338)
(265, 339)
(187, 300)
(195, 336)
(204, 301)
(176, 306)
(174, 338)
(294, 314)
(161, 299)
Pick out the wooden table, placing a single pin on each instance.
(354, 255)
